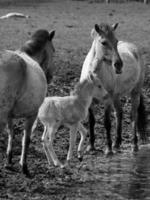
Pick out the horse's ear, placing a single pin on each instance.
(91, 76)
(98, 30)
(114, 26)
(93, 33)
(51, 35)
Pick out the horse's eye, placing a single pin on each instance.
(104, 43)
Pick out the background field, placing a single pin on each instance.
(73, 21)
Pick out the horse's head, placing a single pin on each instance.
(47, 60)
(106, 45)
(40, 47)
(99, 91)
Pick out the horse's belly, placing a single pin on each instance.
(32, 96)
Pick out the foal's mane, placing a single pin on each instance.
(36, 43)
(78, 87)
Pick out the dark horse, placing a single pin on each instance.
(122, 73)
(23, 86)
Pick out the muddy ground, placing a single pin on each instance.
(73, 21)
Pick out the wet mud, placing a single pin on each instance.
(124, 176)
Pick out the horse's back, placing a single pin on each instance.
(34, 90)
(22, 86)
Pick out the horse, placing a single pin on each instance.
(24, 74)
(14, 15)
(121, 73)
(69, 111)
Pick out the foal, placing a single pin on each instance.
(69, 111)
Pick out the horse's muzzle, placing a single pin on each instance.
(49, 77)
(118, 71)
(118, 66)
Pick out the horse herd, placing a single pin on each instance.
(111, 69)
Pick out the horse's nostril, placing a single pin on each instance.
(118, 65)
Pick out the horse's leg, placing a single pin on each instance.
(83, 133)
(44, 141)
(135, 101)
(3, 123)
(10, 143)
(73, 135)
(91, 133)
(49, 143)
(25, 143)
(118, 116)
(107, 124)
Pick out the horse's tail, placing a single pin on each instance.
(34, 125)
(141, 120)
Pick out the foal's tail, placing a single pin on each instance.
(141, 120)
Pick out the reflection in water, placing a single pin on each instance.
(139, 183)
(122, 177)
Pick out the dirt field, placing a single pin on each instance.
(73, 21)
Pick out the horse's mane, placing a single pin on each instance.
(36, 43)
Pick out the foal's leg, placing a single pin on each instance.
(44, 141)
(73, 135)
(10, 143)
(135, 100)
(25, 143)
(107, 124)
(118, 116)
(49, 143)
(91, 133)
(83, 133)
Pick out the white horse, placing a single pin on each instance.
(118, 80)
(69, 111)
(14, 15)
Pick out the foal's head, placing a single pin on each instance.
(87, 86)
(106, 45)
(40, 46)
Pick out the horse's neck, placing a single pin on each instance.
(28, 59)
(85, 96)
(127, 49)
(87, 63)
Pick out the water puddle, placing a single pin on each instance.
(122, 177)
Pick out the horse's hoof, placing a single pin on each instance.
(90, 148)
(80, 158)
(67, 164)
(109, 153)
(135, 149)
(62, 166)
(8, 166)
(25, 171)
(117, 149)
(58, 164)
(116, 146)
